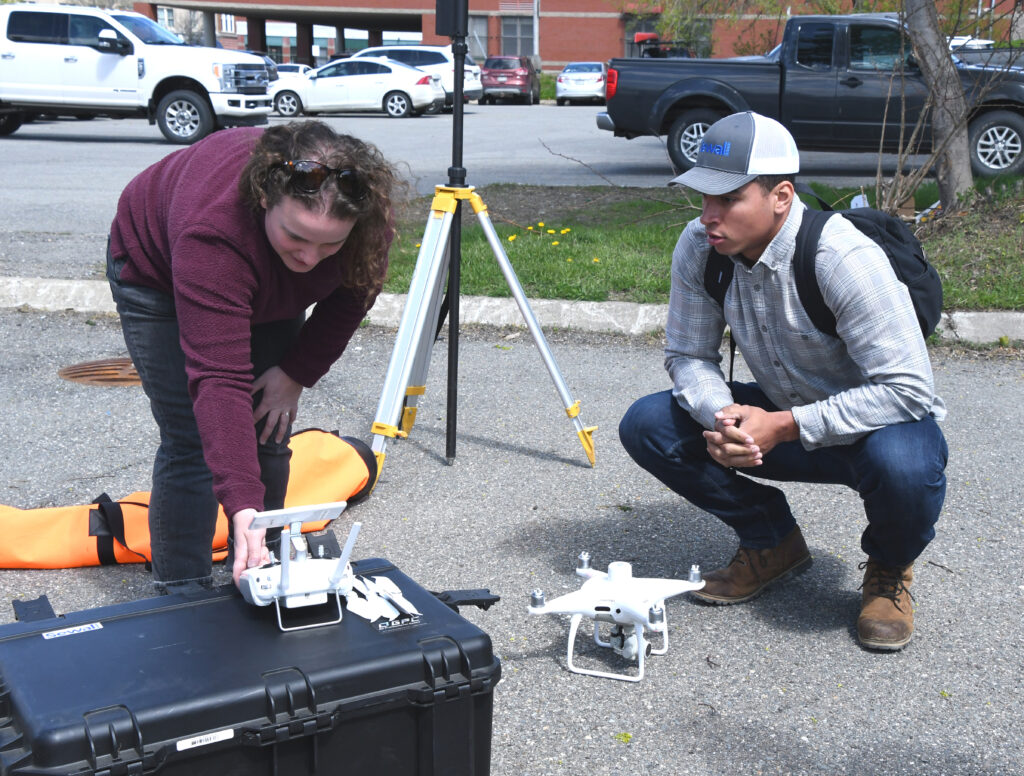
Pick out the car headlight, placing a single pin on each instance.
(225, 74)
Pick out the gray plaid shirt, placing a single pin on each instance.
(876, 374)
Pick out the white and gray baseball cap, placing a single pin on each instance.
(737, 149)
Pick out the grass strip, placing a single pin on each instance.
(621, 251)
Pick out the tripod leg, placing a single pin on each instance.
(415, 332)
(572, 408)
(424, 348)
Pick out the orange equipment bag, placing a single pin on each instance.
(324, 467)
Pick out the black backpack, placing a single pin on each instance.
(904, 251)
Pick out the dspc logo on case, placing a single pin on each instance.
(402, 621)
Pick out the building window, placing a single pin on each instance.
(165, 17)
(227, 23)
(517, 35)
(477, 37)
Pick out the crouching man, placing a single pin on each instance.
(858, 409)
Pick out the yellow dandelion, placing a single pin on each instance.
(529, 228)
(569, 260)
(511, 238)
(566, 231)
(554, 242)
(417, 245)
(540, 224)
(551, 231)
(597, 260)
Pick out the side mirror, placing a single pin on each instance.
(107, 40)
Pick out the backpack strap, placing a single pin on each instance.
(807, 287)
(717, 276)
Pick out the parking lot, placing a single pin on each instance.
(83, 165)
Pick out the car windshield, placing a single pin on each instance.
(501, 63)
(148, 31)
(583, 67)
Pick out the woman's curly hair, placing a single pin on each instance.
(264, 182)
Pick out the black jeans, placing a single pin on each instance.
(183, 509)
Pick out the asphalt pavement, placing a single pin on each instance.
(778, 685)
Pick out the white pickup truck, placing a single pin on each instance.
(81, 61)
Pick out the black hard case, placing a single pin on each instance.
(209, 686)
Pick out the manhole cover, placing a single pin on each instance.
(107, 371)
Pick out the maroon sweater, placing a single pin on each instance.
(183, 228)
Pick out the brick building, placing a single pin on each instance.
(559, 31)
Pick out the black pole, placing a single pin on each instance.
(455, 24)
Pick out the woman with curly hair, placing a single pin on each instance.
(215, 254)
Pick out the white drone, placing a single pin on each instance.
(299, 580)
(634, 606)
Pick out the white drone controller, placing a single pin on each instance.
(634, 606)
(301, 580)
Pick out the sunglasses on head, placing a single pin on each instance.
(309, 177)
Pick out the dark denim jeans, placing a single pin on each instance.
(183, 509)
(897, 470)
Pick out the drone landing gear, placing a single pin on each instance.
(628, 641)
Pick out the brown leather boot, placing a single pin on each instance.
(750, 571)
(886, 616)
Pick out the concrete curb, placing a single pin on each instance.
(93, 296)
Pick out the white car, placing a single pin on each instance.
(581, 81)
(434, 59)
(959, 42)
(365, 84)
(292, 68)
(77, 61)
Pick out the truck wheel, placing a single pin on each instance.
(184, 117)
(397, 105)
(288, 104)
(685, 134)
(9, 123)
(996, 141)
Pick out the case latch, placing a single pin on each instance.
(115, 742)
(291, 710)
(481, 598)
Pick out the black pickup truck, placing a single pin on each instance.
(829, 83)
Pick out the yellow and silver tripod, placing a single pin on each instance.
(407, 371)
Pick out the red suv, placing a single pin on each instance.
(510, 77)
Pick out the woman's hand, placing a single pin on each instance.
(279, 403)
(250, 546)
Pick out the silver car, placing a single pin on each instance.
(581, 81)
